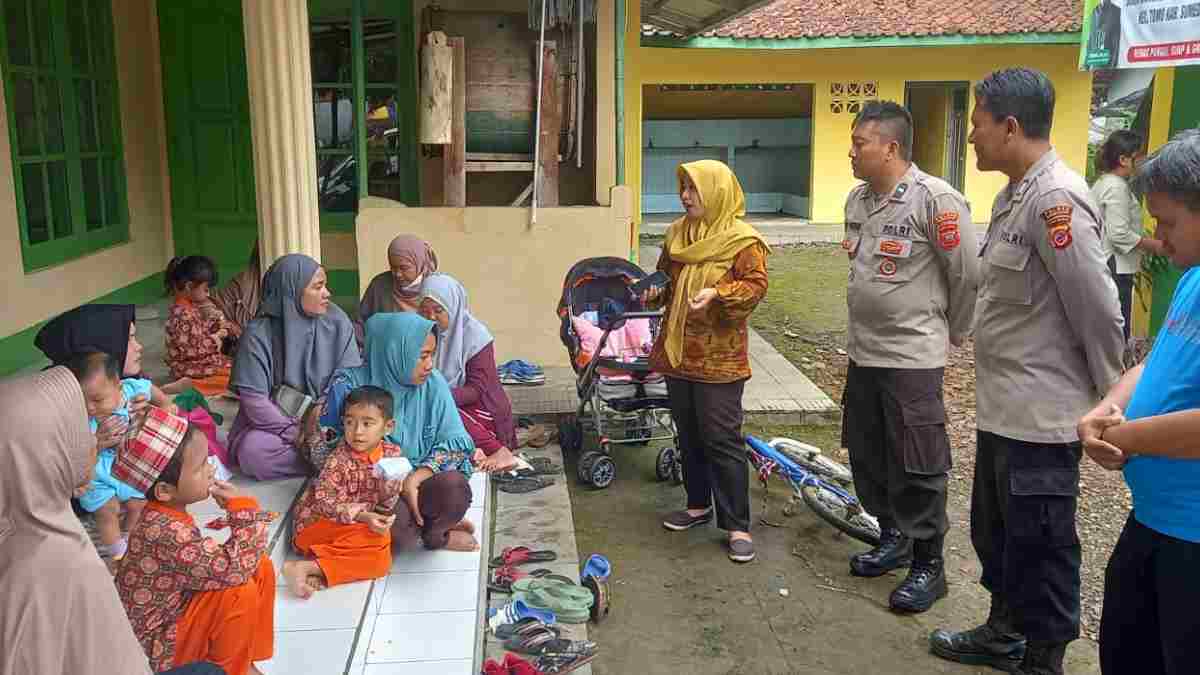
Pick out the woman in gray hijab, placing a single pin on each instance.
(298, 339)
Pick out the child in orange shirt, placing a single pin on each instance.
(344, 519)
(196, 329)
(189, 598)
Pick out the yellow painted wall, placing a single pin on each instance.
(30, 298)
(513, 272)
(1160, 129)
(889, 67)
(930, 109)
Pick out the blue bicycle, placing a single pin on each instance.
(817, 481)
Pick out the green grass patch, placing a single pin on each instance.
(807, 295)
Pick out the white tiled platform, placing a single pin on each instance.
(420, 619)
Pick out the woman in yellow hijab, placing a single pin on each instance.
(717, 266)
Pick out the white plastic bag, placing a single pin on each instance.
(393, 468)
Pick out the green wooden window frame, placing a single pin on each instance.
(64, 125)
(360, 89)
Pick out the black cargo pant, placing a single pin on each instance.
(708, 418)
(1151, 594)
(1023, 528)
(894, 425)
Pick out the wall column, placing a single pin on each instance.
(281, 116)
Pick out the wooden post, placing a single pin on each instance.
(551, 127)
(454, 158)
(437, 77)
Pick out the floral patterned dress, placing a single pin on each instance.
(193, 345)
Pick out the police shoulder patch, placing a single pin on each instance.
(1058, 216)
(1060, 237)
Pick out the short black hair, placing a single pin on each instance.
(894, 119)
(1173, 170)
(197, 269)
(170, 472)
(1119, 144)
(86, 364)
(371, 395)
(1023, 94)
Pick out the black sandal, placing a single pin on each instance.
(521, 484)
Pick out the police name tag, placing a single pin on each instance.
(894, 248)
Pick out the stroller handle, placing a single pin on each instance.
(640, 315)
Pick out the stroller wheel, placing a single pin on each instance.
(604, 470)
(665, 464)
(584, 470)
(677, 469)
(570, 436)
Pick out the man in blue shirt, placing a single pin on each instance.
(1152, 585)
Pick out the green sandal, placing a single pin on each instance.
(570, 602)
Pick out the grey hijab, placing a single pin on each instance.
(465, 337)
(312, 347)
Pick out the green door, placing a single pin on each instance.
(209, 147)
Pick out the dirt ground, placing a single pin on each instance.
(681, 607)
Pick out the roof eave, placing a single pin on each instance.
(702, 42)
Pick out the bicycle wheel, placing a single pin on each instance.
(810, 458)
(847, 517)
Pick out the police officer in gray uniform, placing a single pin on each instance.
(1048, 343)
(913, 278)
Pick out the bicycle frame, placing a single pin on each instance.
(795, 474)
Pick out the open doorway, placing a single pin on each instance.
(762, 131)
(939, 111)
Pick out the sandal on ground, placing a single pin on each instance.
(517, 610)
(503, 577)
(524, 627)
(570, 602)
(546, 641)
(541, 466)
(561, 663)
(519, 555)
(521, 484)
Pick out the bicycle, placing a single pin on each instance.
(816, 480)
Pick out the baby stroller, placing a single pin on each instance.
(608, 335)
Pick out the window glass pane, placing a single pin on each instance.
(77, 19)
(104, 118)
(24, 108)
(333, 119)
(92, 197)
(113, 193)
(337, 183)
(34, 194)
(329, 44)
(383, 143)
(44, 41)
(87, 122)
(51, 115)
(100, 16)
(18, 32)
(60, 196)
(379, 40)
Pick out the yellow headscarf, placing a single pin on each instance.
(707, 247)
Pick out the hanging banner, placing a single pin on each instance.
(1140, 34)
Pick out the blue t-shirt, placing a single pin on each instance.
(131, 388)
(1166, 492)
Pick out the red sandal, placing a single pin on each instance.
(519, 555)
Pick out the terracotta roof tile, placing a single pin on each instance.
(785, 19)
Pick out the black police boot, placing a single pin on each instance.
(926, 582)
(995, 643)
(1043, 659)
(894, 550)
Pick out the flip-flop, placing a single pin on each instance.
(596, 566)
(561, 663)
(541, 466)
(524, 626)
(545, 641)
(521, 484)
(503, 577)
(569, 602)
(515, 611)
(519, 555)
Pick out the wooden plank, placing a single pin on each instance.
(499, 157)
(454, 170)
(495, 167)
(501, 96)
(551, 127)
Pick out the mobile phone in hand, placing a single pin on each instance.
(659, 279)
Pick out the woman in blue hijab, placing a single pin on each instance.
(399, 355)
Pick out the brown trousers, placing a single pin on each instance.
(443, 500)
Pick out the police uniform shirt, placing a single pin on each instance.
(1048, 332)
(913, 273)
